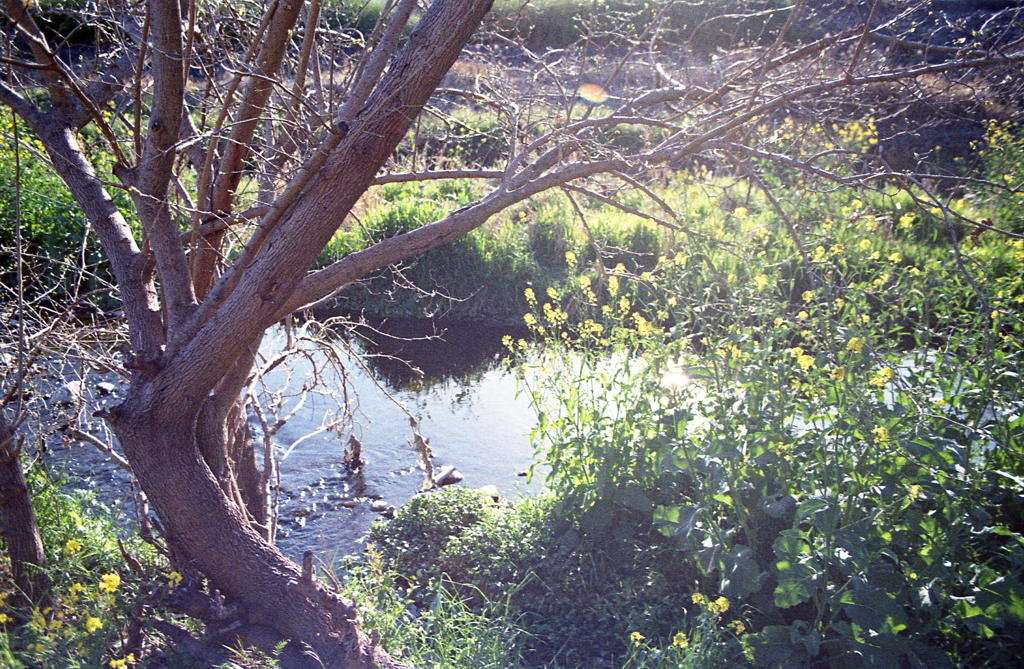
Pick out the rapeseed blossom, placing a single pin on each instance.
(719, 606)
(109, 582)
(881, 377)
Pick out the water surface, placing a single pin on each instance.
(451, 378)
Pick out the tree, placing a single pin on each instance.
(240, 172)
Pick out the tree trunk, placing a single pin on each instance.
(20, 530)
(157, 431)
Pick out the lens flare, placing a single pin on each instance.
(593, 94)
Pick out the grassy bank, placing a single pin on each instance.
(772, 441)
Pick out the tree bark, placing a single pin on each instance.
(21, 531)
(157, 429)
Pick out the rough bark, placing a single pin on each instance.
(20, 530)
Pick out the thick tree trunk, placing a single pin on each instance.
(157, 431)
(20, 530)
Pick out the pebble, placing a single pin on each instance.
(105, 388)
(448, 475)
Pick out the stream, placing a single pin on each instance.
(451, 378)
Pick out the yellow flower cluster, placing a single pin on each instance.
(856, 134)
(719, 606)
(109, 582)
(805, 361)
(881, 377)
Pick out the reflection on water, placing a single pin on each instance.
(416, 354)
(450, 377)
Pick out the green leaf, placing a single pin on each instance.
(875, 610)
(796, 583)
(742, 575)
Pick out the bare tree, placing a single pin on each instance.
(245, 134)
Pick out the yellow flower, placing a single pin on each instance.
(906, 220)
(552, 293)
(856, 344)
(4, 618)
(697, 598)
(761, 281)
(865, 244)
(837, 374)
(530, 296)
(802, 315)
(719, 606)
(914, 492)
(894, 258)
(123, 662)
(636, 638)
(806, 362)
(109, 582)
(72, 546)
(530, 319)
(740, 212)
(881, 377)
(93, 624)
(737, 626)
(807, 296)
(881, 434)
(174, 578)
(570, 258)
(680, 640)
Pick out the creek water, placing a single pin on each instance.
(450, 377)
